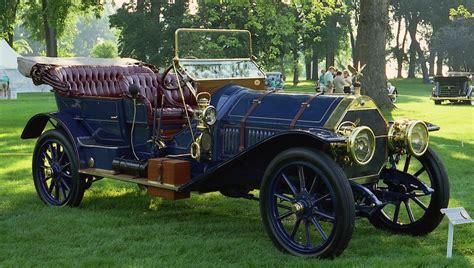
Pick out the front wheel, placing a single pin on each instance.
(412, 211)
(55, 170)
(306, 204)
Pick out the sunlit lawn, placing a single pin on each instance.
(115, 225)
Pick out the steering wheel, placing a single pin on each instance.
(171, 84)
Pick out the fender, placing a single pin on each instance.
(247, 167)
(36, 125)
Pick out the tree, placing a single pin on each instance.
(47, 20)
(147, 28)
(8, 18)
(106, 49)
(371, 41)
(455, 42)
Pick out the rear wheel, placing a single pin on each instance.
(55, 170)
(415, 212)
(306, 204)
(437, 102)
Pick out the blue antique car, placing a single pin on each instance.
(208, 124)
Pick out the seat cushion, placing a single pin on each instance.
(95, 81)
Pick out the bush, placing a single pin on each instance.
(106, 49)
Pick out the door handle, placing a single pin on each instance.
(114, 117)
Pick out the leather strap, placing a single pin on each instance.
(303, 107)
(255, 103)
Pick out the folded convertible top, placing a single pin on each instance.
(26, 63)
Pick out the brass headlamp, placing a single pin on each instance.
(408, 136)
(360, 143)
(206, 115)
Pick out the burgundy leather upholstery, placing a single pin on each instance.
(172, 111)
(114, 81)
(99, 81)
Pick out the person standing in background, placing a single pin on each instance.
(328, 79)
(322, 88)
(348, 82)
(339, 83)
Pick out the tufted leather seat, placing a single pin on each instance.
(172, 111)
(114, 81)
(96, 81)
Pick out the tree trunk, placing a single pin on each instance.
(371, 41)
(315, 74)
(282, 65)
(330, 57)
(10, 39)
(439, 64)
(431, 63)
(355, 60)
(10, 36)
(307, 61)
(295, 68)
(415, 47)
(49, 33)
(412, 63)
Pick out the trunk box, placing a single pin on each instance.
(171, 171)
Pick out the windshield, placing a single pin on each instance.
(212, 44)
(221, 69)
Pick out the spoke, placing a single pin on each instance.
(292, 187)
(308, 235)
(324, 215)
(419, 172)
(63, 192)
(64, 166)
(64, 174)
(61, 154)
(56, 191)
(409, 212)
(46, 178)
(302, 179)
(407, 163)
(283, 206)
(51, 150)
(48, 158)
(396, 213)
(51, 186)
(295, 228)
(321, 198)
(285, 215)
(419, 203)
(64, 183)
(319, 228)
(284, 197)
(313, 184)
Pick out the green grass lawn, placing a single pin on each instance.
(116, 225)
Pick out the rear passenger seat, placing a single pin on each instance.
(113, 82)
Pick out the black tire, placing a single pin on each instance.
(395, 96)
(431, 216)
(59, 168)
(437, 102)
(338, 202)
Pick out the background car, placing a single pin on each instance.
(456, 87)
(274, 81)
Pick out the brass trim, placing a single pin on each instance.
(351, 103)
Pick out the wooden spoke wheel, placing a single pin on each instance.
(415, 212)
(307, 205)
(55, 170)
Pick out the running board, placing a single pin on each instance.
(127, 178)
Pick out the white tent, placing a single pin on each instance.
(9, 67)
